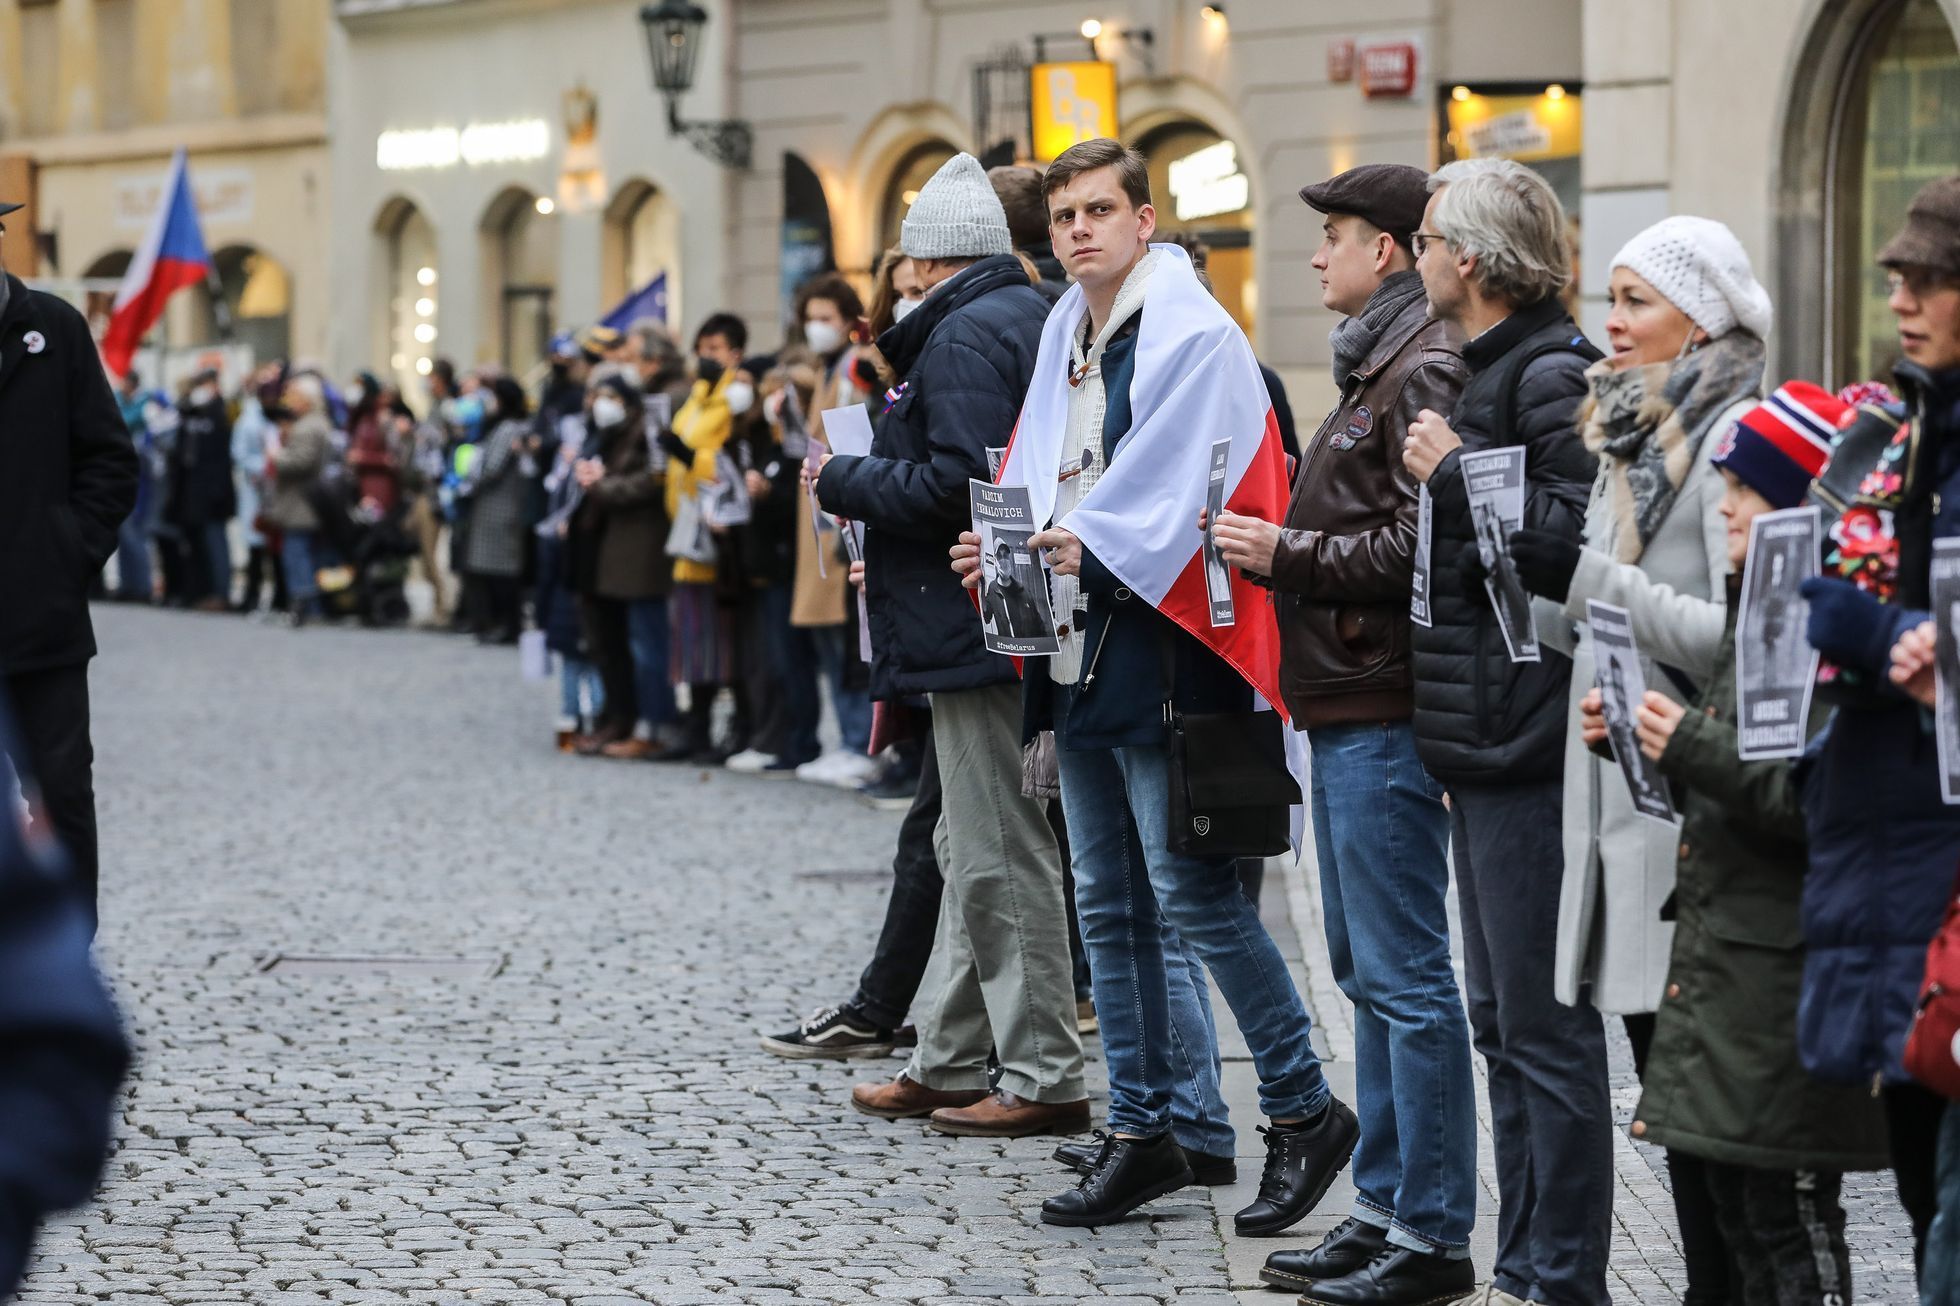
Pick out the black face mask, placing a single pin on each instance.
(708, 370)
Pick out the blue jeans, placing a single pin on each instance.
(217, 557)
(1146, 911)
(1382, 834)
(646, 636)
(133, 561)
(296, 558)
(812, 648)
(575, 674)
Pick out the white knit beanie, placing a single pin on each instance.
(1702, 269)
(957, 215)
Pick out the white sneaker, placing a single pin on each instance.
(840, 769)
(749, 761)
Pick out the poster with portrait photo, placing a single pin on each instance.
(1419, 584)
(1016, 614)
(659, 416)
(1494, 481)
(1945, 577)
(1218, 573)
(1622, 687)
(1775, 666)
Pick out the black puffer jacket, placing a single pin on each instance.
(1481, 718)
(966, 355)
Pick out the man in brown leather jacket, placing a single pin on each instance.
(1341, 568)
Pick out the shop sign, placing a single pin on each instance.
(1389, 70)
(1340, 59)
(1072, 103)
(1208, 182)
(475, 145)
(223, 196)
(1528, 128)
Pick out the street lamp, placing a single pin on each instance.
(673, 30)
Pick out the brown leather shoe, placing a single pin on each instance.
(632, 750)
(1004, 1115)
(567, 740)
(904, 1098)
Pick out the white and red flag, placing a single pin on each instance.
(1196, 383)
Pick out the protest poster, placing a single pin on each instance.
(994, 458)
(1945, 577)
(1494, 481)
(1419, 586)
(1015, 612)
(1622, 687)
(1775, 666)
(847, 430)
(659, 416)
(1218, 575)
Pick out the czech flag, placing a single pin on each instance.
(1197, 383)
(171, 257)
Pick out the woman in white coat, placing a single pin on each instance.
(1687, 324)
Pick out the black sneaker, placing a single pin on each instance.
(1396, 1277)
(839, 1032)
(1207, 1171)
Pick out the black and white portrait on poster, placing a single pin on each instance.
(1775, 666)
(1218, 575)
(1015, 613)
(1622, 686)
(1419, 586)
(1494, 481)
(1945, 577)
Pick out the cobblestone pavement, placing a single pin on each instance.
(593, 1123)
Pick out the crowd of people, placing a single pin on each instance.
(710, 569)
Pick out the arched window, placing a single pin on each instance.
(520, 263)
(409, 294)
(912, 172)
(642, 243)
(1200, 189)
(258, 301)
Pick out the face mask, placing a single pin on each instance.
(203, 395)
(708, 370)
(903, 308)
(355, 394)
(824, 337)
(608, 412)
(740, 396)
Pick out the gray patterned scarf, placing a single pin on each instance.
(1355, 337)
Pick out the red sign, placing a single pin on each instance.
(1340, 60)
(1388, 70)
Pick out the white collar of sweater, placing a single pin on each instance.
(1129, 301)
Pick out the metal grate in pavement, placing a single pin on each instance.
(848, 875)
(356, 966)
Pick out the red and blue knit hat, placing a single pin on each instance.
(1778, 447)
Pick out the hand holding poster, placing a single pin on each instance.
(1494, 481)
(1622, 686)
(1945, 578)
(1775, 666)
(1015, 612)
(1218, 576)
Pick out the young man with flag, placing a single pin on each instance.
(1140, 374)
(1341, 562)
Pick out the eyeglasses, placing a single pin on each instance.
(1919, 282)
(1421, 240)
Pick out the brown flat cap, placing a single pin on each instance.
(1390, 195)
(1931, 236)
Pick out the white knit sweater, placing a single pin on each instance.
(1082, 447)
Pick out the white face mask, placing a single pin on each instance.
(824, 337)
(203, 395)
(902, 308)
(356, 393)
(740, 396)
(608, 411)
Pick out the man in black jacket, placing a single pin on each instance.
(1493, 258)
(67, 480)
(966, 356)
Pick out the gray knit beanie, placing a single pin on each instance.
(957, 215)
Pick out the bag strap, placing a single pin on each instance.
(1513, 372)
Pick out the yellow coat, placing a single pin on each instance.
(703, 424)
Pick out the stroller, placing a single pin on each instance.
(370, 554)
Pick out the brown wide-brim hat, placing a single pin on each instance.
(1390, 195)
(1931, 236)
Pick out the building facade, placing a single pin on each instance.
(95, 95)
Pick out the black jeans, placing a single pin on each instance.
(606, 635)
(50, 710)
(888, 985)
(1785, 1229)
(1711, 1269)
(1551, 1111)
(1912, 1120)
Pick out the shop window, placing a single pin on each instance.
(411, 295)
(520, 246)
(1900, 130)
(115, 55)
(1202, 192)
(913, 172)
(1539, 124)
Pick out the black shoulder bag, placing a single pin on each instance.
(1230, 789)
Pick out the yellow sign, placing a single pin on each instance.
(1521, 127)
(1073, 102)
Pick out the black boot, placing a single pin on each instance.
(1397, 1277)
(1128, 1173)
(1347, 1247)
(1207, 1171)
(694, 743)
(1301, 1162)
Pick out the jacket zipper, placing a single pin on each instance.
(1089, 677)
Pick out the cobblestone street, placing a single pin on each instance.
(577, 1112)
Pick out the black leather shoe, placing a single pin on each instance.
(1347, 1247)
(1207, 1171)
(1301, 1162)
(1128, 1173)
(1397, 1277)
